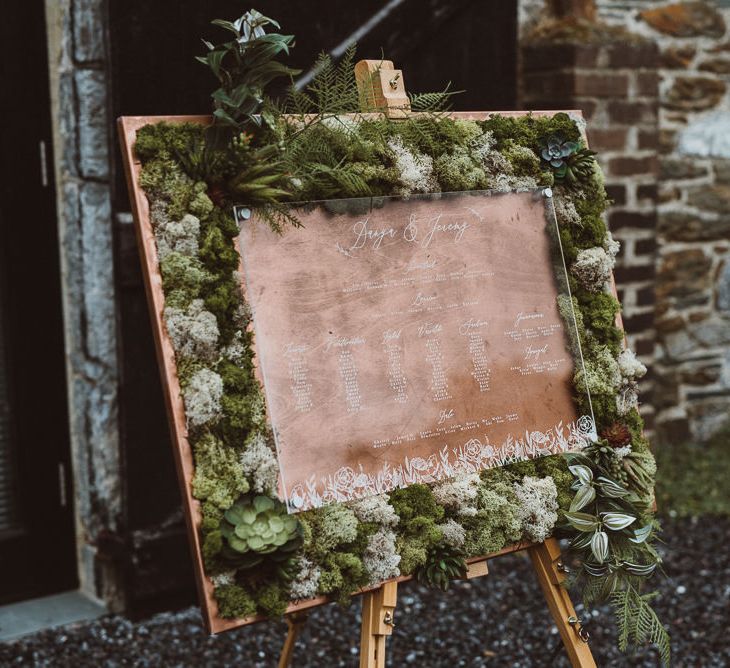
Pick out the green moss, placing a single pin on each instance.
(234, 602)
(495, 524)
(212, 546)
(238, 378)
(332, 526)
(635, 423)
(519, 470)
(415, 501)
(184, 274)
(693, 477)
(531, 131)
(598, 313)
(212, 516)
(242, 413)
(165, 139)
(415, 541)
(342, 574)
(217, 251)
(590, 202)
(556, 467)
(219, 476)
(200, 204)
(272, 598)
(223, 300)
(164, 179)
(524, 161)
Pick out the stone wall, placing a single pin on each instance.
(79, 97)
(693, 266)
(615, 85)
(692, 289)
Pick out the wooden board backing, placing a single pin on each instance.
(127, 128)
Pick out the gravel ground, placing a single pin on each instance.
(499, 620)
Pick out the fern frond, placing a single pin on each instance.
(333, 89)
(638, 622)
(278, 215)
(433, 102)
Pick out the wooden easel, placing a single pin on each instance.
(381, 89)
(379, 604)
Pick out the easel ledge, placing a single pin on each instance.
(378, 601)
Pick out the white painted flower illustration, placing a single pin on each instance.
(473, 450)
(344, 478)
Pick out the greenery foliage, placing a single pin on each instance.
(694, 477)
(266, 159)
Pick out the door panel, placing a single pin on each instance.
(37, 544)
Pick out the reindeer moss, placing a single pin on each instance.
(457, 170)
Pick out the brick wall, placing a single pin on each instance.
(691, 240)
(692, 371)
(615, 85)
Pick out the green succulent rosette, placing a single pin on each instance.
(257, 529)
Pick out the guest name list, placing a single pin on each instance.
(409, 343)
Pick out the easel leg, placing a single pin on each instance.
(545, 558)
(294, 621)
(378, 608)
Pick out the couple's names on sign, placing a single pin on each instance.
(410, 341)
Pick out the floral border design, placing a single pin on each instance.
(346, 484)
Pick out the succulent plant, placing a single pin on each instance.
(640, 468)
(569, 161)
(256, 529)
(556, 151)
(617, 435)
(444, 563)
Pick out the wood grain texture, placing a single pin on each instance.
(128, 126)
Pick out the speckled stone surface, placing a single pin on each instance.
(499, 620)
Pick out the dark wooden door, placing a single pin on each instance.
(37, 546)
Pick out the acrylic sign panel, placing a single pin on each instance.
(406, 341)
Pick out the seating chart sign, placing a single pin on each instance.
(406, 341)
